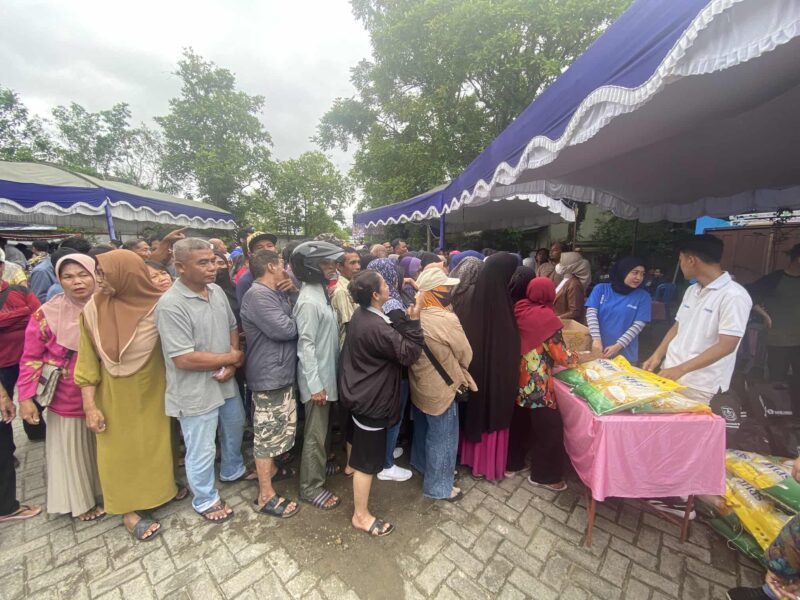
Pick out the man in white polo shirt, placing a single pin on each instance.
(699, 350)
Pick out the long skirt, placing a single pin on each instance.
(73, 484)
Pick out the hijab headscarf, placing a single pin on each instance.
(518, 288)
(466, 272)
(620, 271)
(386, 267)
(455, 260)
(536, 319)
(62, 312)
(134, 298)
(491, 328)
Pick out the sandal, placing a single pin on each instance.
(141, 528)
(246, 476)
(550, 486)
(377, 530)
(332, 468)
(93, 514)
(20, 513)
(283, 473)
(276, 507)
(216, 508)
(321, 501)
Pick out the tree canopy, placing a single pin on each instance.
(446, 77)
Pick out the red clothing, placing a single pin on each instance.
(14, 316)
(41, 347)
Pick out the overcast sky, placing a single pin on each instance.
(297, 55)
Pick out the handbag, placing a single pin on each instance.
(462, 393)
(48, 381)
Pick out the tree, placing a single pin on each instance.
(94, 143)
(214, 140)
(301, 196)
(447, 76)
(22, 137)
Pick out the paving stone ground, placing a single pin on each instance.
(508, 541)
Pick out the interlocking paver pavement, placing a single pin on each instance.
(506, 541)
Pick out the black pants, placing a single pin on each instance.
(779, 359)
(540, 432)
(8, 476)
(8, 377)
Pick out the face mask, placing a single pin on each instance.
(560, 269)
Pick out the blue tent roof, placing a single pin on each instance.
(49, 195)
(611, 127)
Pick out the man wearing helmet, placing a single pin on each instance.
(314, 264)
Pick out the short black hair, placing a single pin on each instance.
(347, 250)
(363, 285)
(41, 245)
(706, 247)
(77, 243)
(131, 244)
(396, 242)
(259, 261)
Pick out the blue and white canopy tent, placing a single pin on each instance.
(32, 193)
(680, 109)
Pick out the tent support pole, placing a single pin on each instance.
(112, 235)
(441, 232)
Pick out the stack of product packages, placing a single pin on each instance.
(760, 493)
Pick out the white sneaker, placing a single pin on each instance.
(398, 452)
(395, 474)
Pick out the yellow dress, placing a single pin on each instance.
(134, 453)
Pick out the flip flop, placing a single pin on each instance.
(18, 516)
(276, 507)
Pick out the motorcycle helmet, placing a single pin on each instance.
(306, 257)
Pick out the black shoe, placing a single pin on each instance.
(674, 506)
(743, 593)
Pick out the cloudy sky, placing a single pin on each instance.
(297, 55)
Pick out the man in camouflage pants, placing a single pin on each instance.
(271, 363)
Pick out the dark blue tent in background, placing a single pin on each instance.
(32, 193)
(681, 108)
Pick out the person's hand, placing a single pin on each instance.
(28, 412)
(286, 286)
(227, 373)
(673, 373)
(597, 347)
(175, 236)
(95, 420)
(7, 409)
(651, 364)
(796, 470)
(236, 358)
(320, 398)
(612, 350)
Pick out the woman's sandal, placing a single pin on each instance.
(377, 528)
(24, 511)
(276, 507)
(140, 529)
(93, 514)
(549, 486)
(219, 506)
(321, 501)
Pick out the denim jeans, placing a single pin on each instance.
(231, 432)
(199, 432)
(394, 431)
(433, 450)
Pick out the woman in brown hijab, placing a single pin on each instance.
(120, 371)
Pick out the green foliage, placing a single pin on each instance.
(447, 77)
(301, 196)
(214, 140)
(22, 137)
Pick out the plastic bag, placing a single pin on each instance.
(673, 403)
(757, 513)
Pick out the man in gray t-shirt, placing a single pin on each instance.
(201, 351)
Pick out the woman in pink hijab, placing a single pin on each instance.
(73, 484)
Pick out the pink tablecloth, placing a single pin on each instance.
(643, 456)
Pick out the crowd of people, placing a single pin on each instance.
(180, 339)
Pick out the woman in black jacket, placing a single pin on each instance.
(372, 358)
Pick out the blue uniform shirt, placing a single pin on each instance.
(617, 312)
